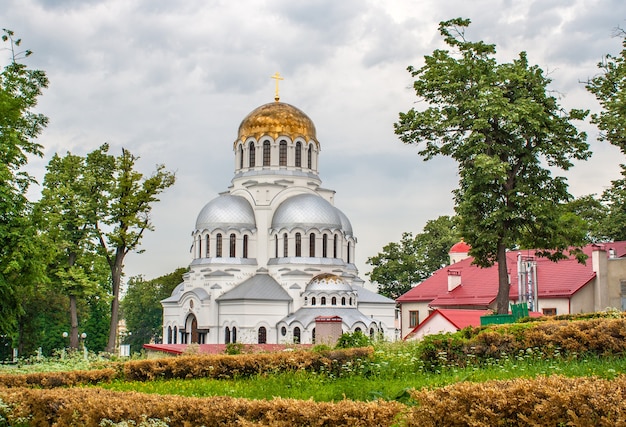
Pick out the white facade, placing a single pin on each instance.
(272, 252)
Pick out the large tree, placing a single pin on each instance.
(142, 310)
(20, 125)
(609, 87)
(504, 130)
(401, 265)
(122, 201)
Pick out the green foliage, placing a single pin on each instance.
(413, 259)
(20, 253)
(234, 348)
(353, 340)
(499, 124)
(142, 310)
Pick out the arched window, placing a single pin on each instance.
(323, 301)
(241, 157)
(199, 243)
(218, 245)
(282, 154)
(357, 330)
(313, 301)
(306, 300)
(298, 244)
(308, 157)
(372, 333)
(298, 154)
(208, 245)
(333, 301)
(245, 246)
(285, 245)
(227, 335)
(175, 334)
(313, 335)
(350, 301)
(343, 300)
(335, 242)
(252, 156)
(266, 153)
(276, 245)
(169, 335)
(262, 335)
(234, 334)
(325, 245)
(233, 245)
(312, 245)
(349, 252)
(296, 335)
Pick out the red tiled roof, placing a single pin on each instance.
(479, 286)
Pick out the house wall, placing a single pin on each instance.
(435, 325)
(405, 308)
(616, 274)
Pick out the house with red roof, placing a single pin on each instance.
(551, 288)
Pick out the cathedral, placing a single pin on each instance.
(272, 257)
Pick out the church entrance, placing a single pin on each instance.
(191, 327)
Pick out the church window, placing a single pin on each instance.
(283, 331)
(323, 301)
(296, 335)
(241, 157)
(298, 154)
(282, 154)
(266, 153)
(333, 301)
(252, 155)
(285, 245)
(349, 252)
(234, 334)
(262, 335)
(276, 245)
(298, 244)
(371, 333)
(357, 330)
(218, 245)
(335, 242)
(308, 158)
(245, 246)
(306, 300)
(313, 335)
(208, 244)
(343, 300)
(313, 301)
(169, 335)
(325, 246)
(312, 245)
(350, 301)
(233, 244)
(227, 335)
(199, 246)
(175, 334)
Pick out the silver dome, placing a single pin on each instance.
(328, 283)
(306, 211)
(345, 223)
(226, 212)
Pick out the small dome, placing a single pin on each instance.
(306, 211)
(460, 248)
(277, 119)
(345, 223)
(226, 212)
(328, 282)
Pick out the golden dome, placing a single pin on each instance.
(277, 119)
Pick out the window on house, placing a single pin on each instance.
(298, 154)
(266, 153)
(549, 311)
(282, 154)
(252, 155)
(233, 244)
(245, 246)
(218, 245)
(413, 318)
(298, 244)
(312, 245)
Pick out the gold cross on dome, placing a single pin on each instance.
(277, 77)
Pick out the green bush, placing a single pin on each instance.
(353, 340)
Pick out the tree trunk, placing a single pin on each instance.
(116, 277)
(73, 323)
(502, 300)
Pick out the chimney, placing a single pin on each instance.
(454, 279)
(599, 263)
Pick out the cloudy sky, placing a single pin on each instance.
(171, 81)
